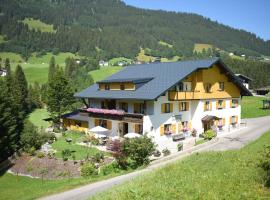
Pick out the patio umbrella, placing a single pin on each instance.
(99, 132)
(132, 135)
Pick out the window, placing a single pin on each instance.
(233, 120)
(234, 103)
(107, 87)
(167, 107)
(181, 86)
(78, 123)
(174, 88)
(183, 106)
(122, 87)
(167, 128)
(221, 86)
(220, 104)
(207, 106)
(138, 128)
(124, 106)
(103, 123)
(139, 108)
(207, 87)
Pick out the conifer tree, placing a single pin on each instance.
(51, 68)
(59, 95)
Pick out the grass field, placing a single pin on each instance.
(199, 47)
(37, 116)
(165, 44)
(213, 175)
(104, 72)
(34, 24)
(25, 188)
(252, 107)
(79, 151)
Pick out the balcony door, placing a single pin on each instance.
(123, 128)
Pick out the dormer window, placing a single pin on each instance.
(107, 87)
(208, 87)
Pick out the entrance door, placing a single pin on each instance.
(123, 129)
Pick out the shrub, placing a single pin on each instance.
(94, 141)
(139, 150)
(109, 169)
(98, 156)
(40, 154)
(265, 164)
(65, 154)
(166, 152)
(209, 135)
(30, 137)
(48, 137)
(88, 170)
(51, 154)
(157, 153)
(180, 146)
(31, 151)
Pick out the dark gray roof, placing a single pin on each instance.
(242, 76)
(76, 116)
(164, 76)
(125, 80)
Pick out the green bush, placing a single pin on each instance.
(265, 164)
(88, 170)
(66, 154)
(166, 152)
(110, 168)
(209, 135)
(40, 154)
(180, 146)
(99, 156)
(31, 151)
(30, 137)
(138, 150)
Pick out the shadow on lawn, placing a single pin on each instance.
(4, 166)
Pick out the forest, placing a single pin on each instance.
(108, 28)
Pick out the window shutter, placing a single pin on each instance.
(171, 107)
(187, 106)
(231, 103)
(109, 125)
(210, 105)
(173, 128)
(230, 120)
(163, 108)
(96, 122)
(189, 125)
(223, 104)
(217, 104)
(223, 121)
(180, 127)
(180, 106)
(205, 106)
(236, 119)
(161, 130)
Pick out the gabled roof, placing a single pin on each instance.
(164, 76)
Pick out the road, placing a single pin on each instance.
(235, 140)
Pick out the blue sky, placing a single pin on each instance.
(250, 15)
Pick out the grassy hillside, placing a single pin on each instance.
(38, 25)
(212, 175)
(199, 47)
(252, 107)
(104, 72)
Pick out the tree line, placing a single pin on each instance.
(108, 28)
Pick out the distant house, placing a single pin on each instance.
(262, 91)
(103, 63)
(3, 72)
(244, 79)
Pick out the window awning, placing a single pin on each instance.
(209, 118)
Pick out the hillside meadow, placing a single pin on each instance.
(212, 175)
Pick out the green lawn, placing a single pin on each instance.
(212, 175)
(38, 25)
(37, 116)
(104, 72)
(165, 44)
(24, 188)
(80, 151)
(252, 107)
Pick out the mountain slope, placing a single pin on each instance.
(115, 29)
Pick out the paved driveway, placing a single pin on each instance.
(235, 140)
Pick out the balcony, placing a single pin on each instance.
(118, 115)
(185, 95)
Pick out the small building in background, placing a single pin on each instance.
(245, 80)
(263, 91)
(103, 63)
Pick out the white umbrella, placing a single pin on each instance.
(98, 129)
(132, 135)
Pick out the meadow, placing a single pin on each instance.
(212, 175)
(252, 107)
(104, 72)
(34, 24)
